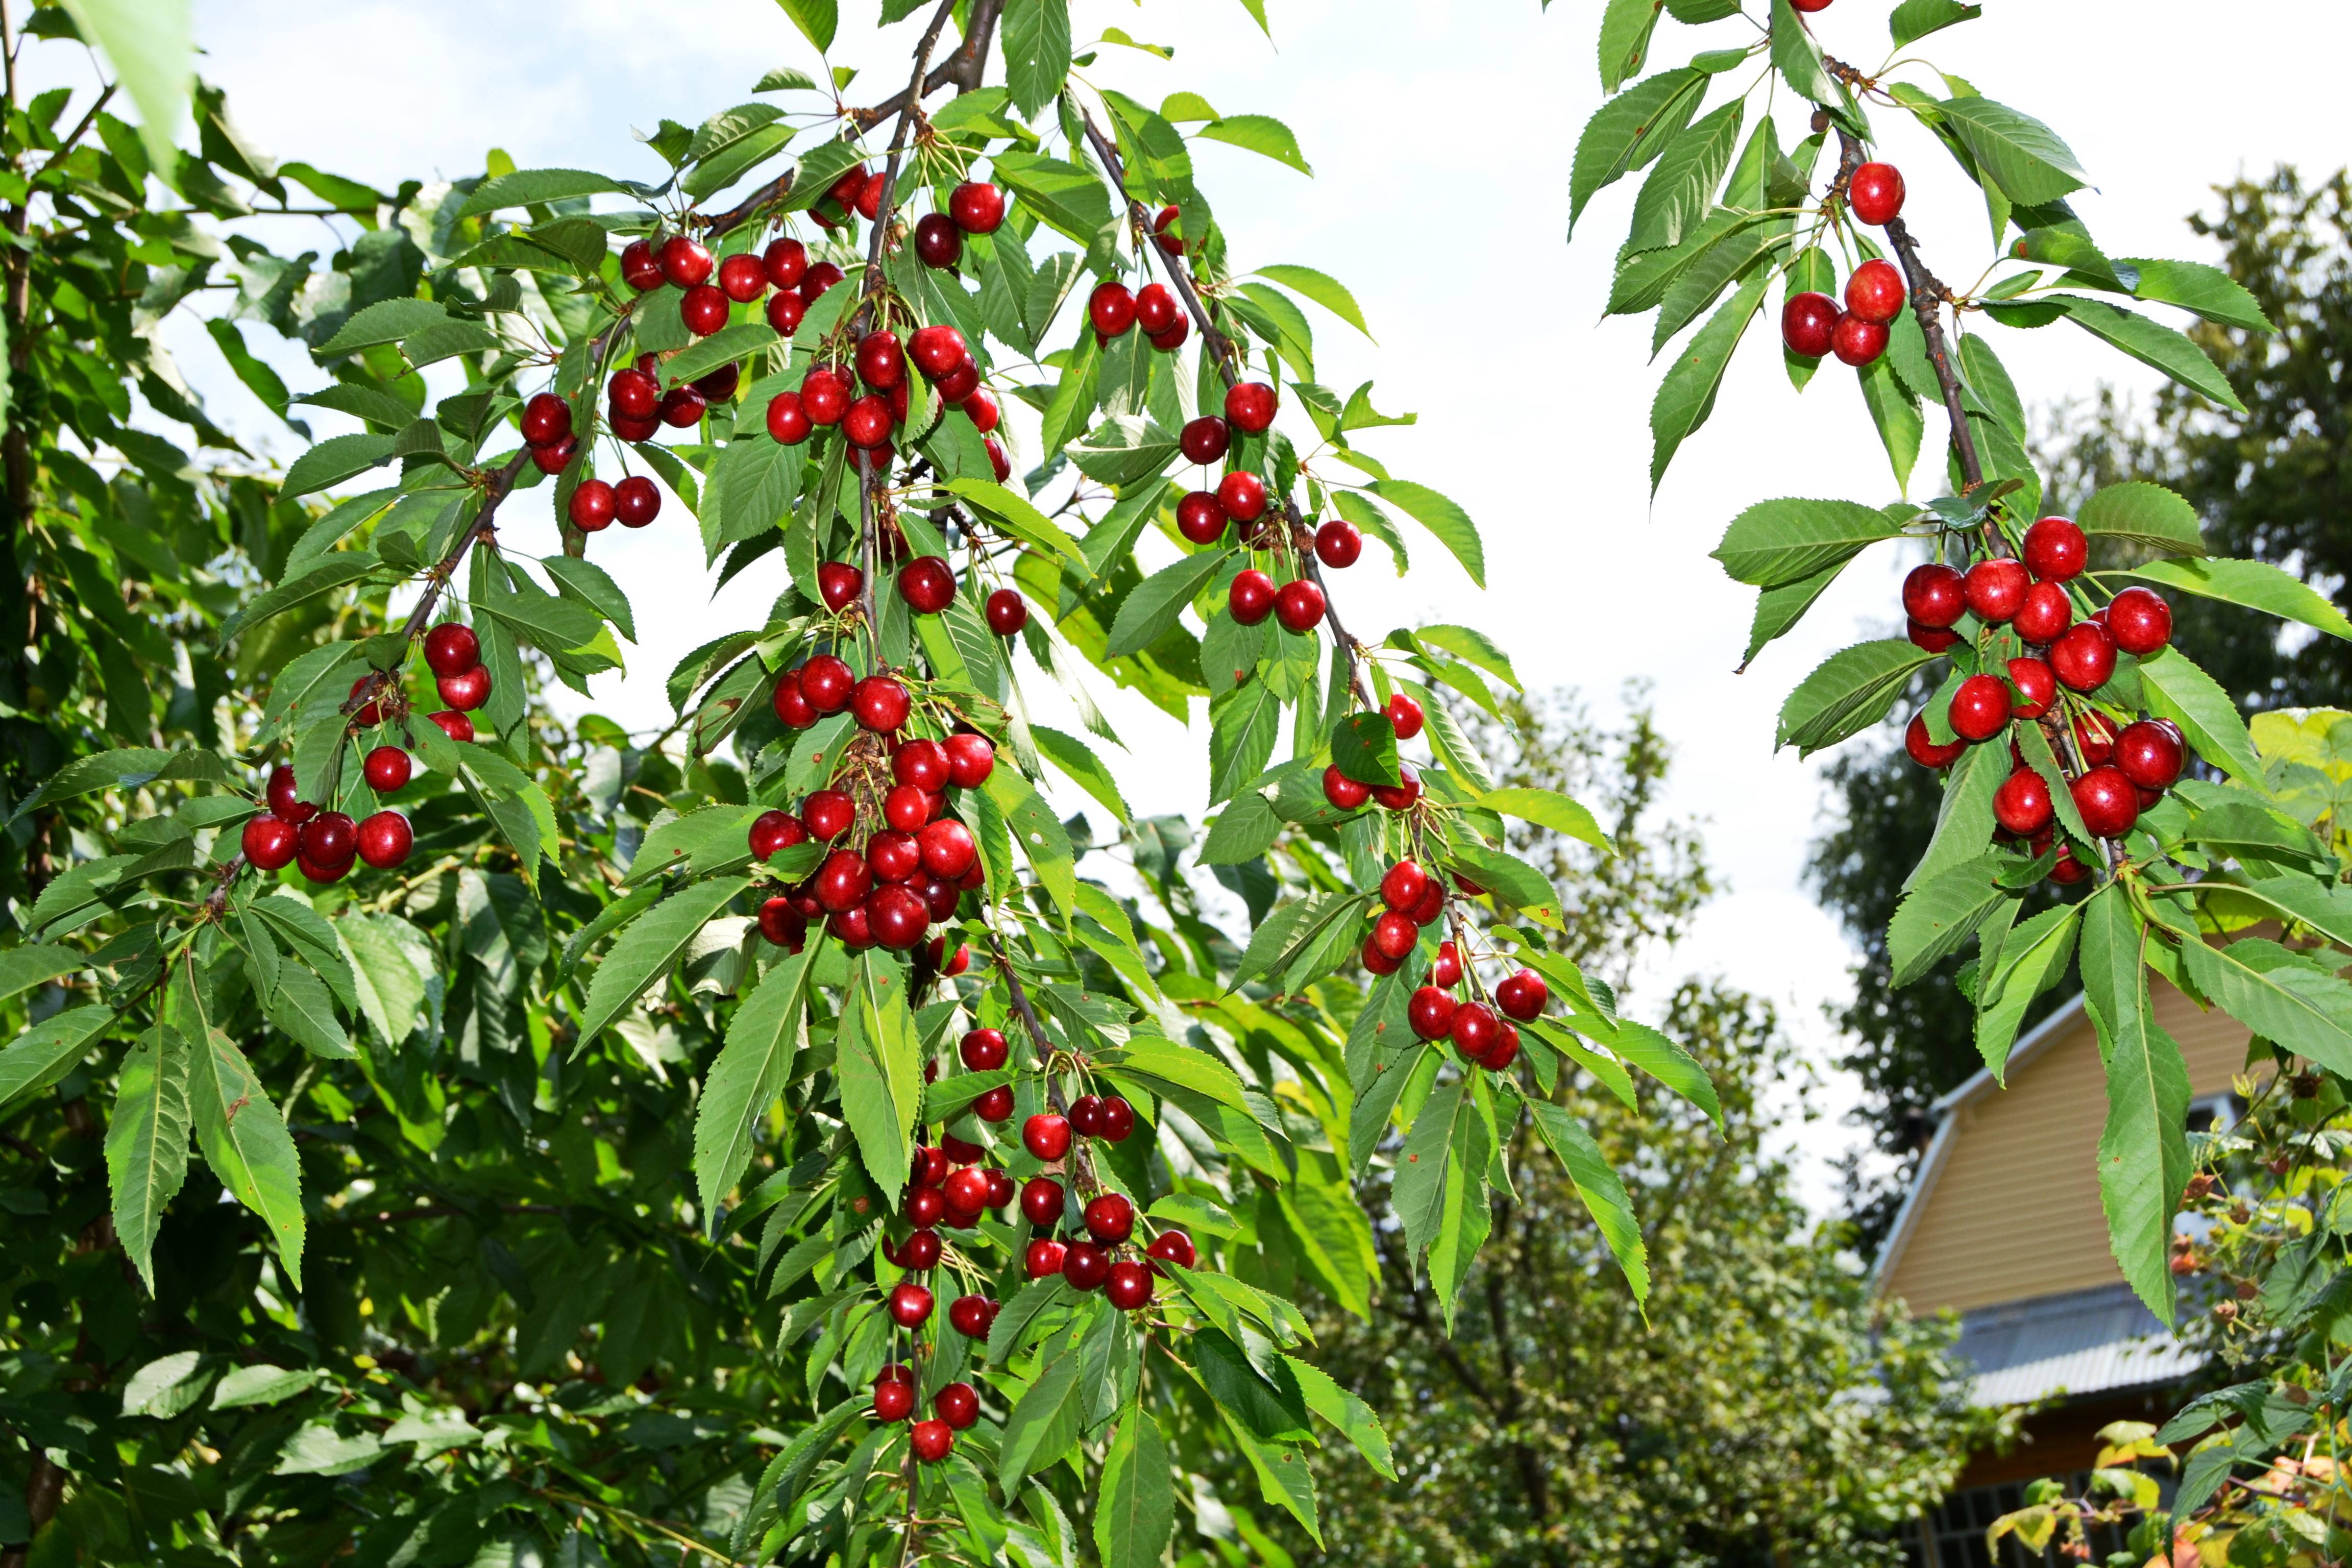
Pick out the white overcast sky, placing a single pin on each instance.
(1440, 137)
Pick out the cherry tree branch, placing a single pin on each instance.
(1229, 360)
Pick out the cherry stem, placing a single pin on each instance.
(1220, 348)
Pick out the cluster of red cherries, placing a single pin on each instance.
(323, 845)
(2120, 771)
(1405, 718)
(828, 395)
(1413, 898)
(1813, 324)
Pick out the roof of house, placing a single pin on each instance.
(2099, 1341)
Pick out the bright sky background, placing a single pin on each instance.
(1440, 137)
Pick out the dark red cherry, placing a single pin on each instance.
(786, 261)
(2084, 657)
(1979, 708)
(2149, 754)
(384, 839)
(2056, 550)
(1933, 595)
(640, 269)
(636, 502)
(1856, 341)
(1250, 405)
(2037, 688)
(685, 262)
(2140, 621)
(1337, 544)
(1299, 606)
(2045, 613)
(1205, 440)
(1996, 589)
(1923, 748)
(704, 309)
(938, 242)
(451, 649)
(2021, 804)
(1200, 518)
(1874, 292)
(1806, 323)
(1876, 193)
(1111, 309)
(977, 207)
(269, 842)
(1008, 612)
(2108, 800)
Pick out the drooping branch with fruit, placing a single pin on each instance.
(869, 947)
(2079, 746)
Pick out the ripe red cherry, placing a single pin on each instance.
(968, 1315)
(1085, 1266)
(786, 261)
(468, 691)
(927, 584)
(1156, 310)
(1923, 748)
(971, 759)
(330, 838)
(783, 925)
(314, 872)
(1874, 292)
(1875, 194)
(957, 1404)
(2056, 550)
(2046, 612)
(1251, 598)
(1400, 796)
(931, 1441)
(681, 406)
(928, 1166)
(2021, 804)
(788, 421)
(269, 842)
(892, 857)
(996, 1104)
(1242, 494)
(704, 309)
(982, 1051)
(625, 428)
(819, 278)
(1249, 405)
(685, 262)
(384, 840)
(1405, 716)
(1129, 1286)
(1117, 1121)
(2084, 657)
(1110, 1218)
(1431, 1013)
(1173, 338)
(936, 350)
(546, 419)
(1172, 1247)
(1394, 933)
(2140, 621)
(1379, 962)
(1111, 309)
(1933, 595)
(825, 396)
(590, 507)
(947, 847)
(1343, 790)
(998, 463)
(980, 408)
(742, 278)
(826, 682)
(2094, 736)
(893, 1401)
(1403, 885)
(881, 361)
(1200, 518)
(1475, 1030)
(1935, 639)
(977, 207)
(926, 1207)
(640, 269)
(868, 423)
(1979, 708)
(2109, 801)
(457, 726)
(636, 502)
(839, 584)
(555, 457)
(845, 879)
(2149, 754)
(1298, 605)
(938, 242)
(786, 312)
(1041, 1200)
(880, 703)
(1046, 1135)
(386, 769)
(923, 763)
(1505, 1049)
(1522, 994)
(1856, 341)
(1337, 544)
(904, 809)
(451, 649)
(1205, 440)
(1172, 245)
(1447, 971)
(829, 814)
(1008, 612)
(1806, 323)
(1995, 589)
(635, 394)
(1043, 1258)
(2037, 688)
(1086, 1115)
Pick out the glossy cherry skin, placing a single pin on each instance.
(742, 278)
(839, 584)
(1475, 1030)
(1522, 994)
(947, 847)
(1379, 962)
(546, 419)
(640, 269)
(1874, 292)
(1200, 518)
(2109, 801)
(1243, 495)
(1431, 904)
(330, 838)
(919, 1251)
(635, 394)
(2084, 657)
(844, 881)
(2140, 621)
(1117, 1119)
(971, 759)
(820, 277)
(977, 207)
(1299, 606)
(1008, 612)
(880, 703)
(626, 429)
(982, 409)
(891, 854)
(998, 463)
(1085, 1266)
(2021, 804)
(554, 458)
(1933, 595)
(957, 1405)
(1806, 323)
(2094, 737)
(1251, 598)
(1041, 1200)
(1046, 1135)
(269, 842)
(968, 1315)
(1339, 544)
(1923, 749)
(938, 242)
(825, 396)
(387, 769)
(881, 361)
(1205, 440)
(1173, 338)
(786, 261)
(868, 422)
(1173, 245)
(783, 925)
(1111, 309)
(927, 584)
(926, 1207)
(785, 313)
(1343, 790)
(704, 309)
(457, 726)
(1156, 309)
(930, 1441)
(1403, 884)
(1430, 1012)
(1129, 1286)
(1399, 796)
(451, 649)
(1856, 341)
(465, 692)
(1446, 972)
(1110, 1218)
(2149, 754)
(681, 406)
(2037, 688)
(829, 814)
(1250, 405)
(2056, 550)
(636, 502)
(893, 1401)
(1979, 708)
(1394, 933)
(788, 420)
(685, 262)
(590, 507)
(1172, 1247)
(1875, 194)
(959, 380)
(1043, 1258)
(1086, 1115)
(2044, 616)
(1996, 589)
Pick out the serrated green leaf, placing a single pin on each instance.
(647, 949)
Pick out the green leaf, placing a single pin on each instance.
(1153, 606)
(1009, 1334)
(1602, 1190)
(2152, 344)
(2256, 585)
(1364, 747)
(245, 1143)
(1013, 512)
(2022, 156)
(1419, 1191)
(1442, 517)
(1682, 187)
(304, 1012)
(762, 1039)
(245, 1387)
(1037, 51)
(386, 321)
(1686, 395)
(1137, 1513)
(1940, 913)
(879, 1062)
(147, 1142)
(2176, 689)
(1895, 413)
(1044, 1421)
(2146, 515)
(1550, 809)
(816, 20)
(2144, 1148)
(337, 570)
(2278, 993)
(2196, 285)
(1628, 131)
(1078, 762)
(1260, 133)
(1915, 19)
(2033, 959)
(1320, 287)
(1798, 59)
(335, 460)
(22, 968)
(724, 165)
(707, 839)
(1473, 646)
(1775, 543)
(1625, 28)
(48, 1051)
(1847, 693)
(591, 586)
(723, 347)
(153, 49)
(535, 187)
(1352, 1417)
(2326, 906)
(647, 948)
(1070, 199)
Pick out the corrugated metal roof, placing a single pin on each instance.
(2100, 1340)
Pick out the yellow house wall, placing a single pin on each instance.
(2014, 1213)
